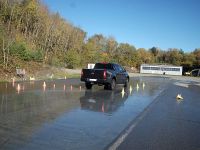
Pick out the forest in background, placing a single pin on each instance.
(31, 34)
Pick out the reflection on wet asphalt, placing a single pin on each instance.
(63, 115)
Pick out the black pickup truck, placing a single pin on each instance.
(107, 74)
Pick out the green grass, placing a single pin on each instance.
(58, 75)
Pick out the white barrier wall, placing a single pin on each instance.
(161, 69)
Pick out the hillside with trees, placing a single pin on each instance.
(31, 36)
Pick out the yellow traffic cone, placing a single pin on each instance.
(179, 96)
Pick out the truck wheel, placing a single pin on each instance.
(106, 87)
(88, 85)
(126, 82)
(112, 84)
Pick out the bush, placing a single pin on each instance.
(20, 50)
(36, 55)
(55, 61)
(72, 59)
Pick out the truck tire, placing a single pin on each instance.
(88, 85)
(126, 82)
(106, 87)
(112, 84)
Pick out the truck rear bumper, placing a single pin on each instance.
(96, 81)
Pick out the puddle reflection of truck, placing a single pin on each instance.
(108, 103)
(107, 74)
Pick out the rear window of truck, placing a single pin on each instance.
(103, 66)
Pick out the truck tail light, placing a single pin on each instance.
(104, 74)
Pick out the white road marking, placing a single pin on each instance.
(186, 85)
(121, 139)
(198, 84)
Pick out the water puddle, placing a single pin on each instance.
(62, 114)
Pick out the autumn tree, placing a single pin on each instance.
(155, 51)
(126, 55)
(30, 32)
(174, 56)
(144, 56)
(197, 56)
(188, 60)
(111, 46)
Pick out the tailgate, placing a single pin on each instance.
(92, 73)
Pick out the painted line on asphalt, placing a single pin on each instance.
(181, 84)
(127, 132)
(198, 84)
(137, 120)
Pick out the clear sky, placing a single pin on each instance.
(142, 23)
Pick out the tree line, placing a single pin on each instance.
(30, 32)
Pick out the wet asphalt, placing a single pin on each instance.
(64, 115)
(169, 123)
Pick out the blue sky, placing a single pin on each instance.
(142, 23)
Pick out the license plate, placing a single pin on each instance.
(91, 101)
(92, 79)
